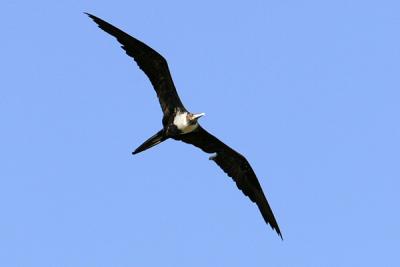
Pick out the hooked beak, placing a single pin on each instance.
(198, 115)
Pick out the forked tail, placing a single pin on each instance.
(152, 141)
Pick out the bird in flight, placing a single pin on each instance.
(182, 125)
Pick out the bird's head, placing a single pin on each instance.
(192, 118)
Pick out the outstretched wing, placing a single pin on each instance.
(152, 63)
(236, 166)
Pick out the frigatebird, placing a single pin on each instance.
(182, 125)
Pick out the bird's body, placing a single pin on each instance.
(182, 125)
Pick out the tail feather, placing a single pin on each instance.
(152, 141)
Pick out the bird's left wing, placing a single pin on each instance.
(236, 166)
(151, 62)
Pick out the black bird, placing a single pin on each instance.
(182, 125)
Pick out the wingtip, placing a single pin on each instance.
(278, 231)
(93, 17)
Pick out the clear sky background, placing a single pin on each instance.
(309, 91)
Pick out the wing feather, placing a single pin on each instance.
(151, 62)
(236, 166)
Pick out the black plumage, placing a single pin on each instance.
(236, 166)
(152, 63)
(186, 128)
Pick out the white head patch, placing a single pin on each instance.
(182, 123)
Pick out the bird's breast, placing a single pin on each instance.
(189, 128)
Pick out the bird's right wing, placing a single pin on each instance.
(236, 166)
(152, 63)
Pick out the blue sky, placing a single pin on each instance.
(307, 90)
